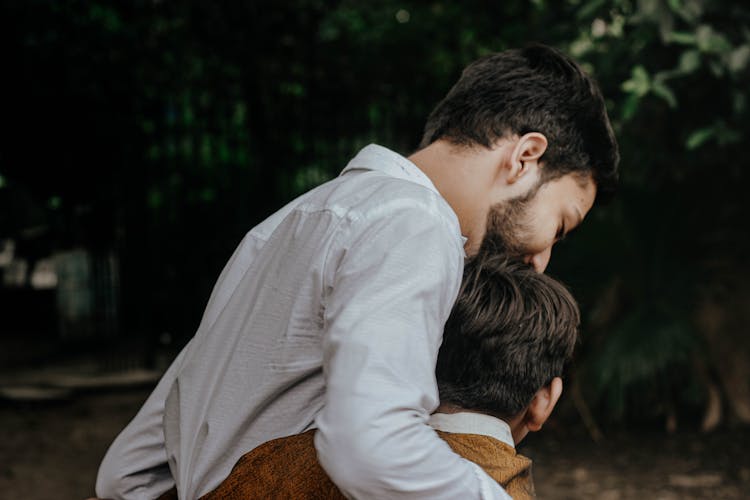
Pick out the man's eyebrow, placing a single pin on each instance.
(573, 230)
(568, 229)
(580, 215)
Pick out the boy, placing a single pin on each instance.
(505, 345)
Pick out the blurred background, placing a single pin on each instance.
(141, 140)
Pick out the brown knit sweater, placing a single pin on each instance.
(288, 468)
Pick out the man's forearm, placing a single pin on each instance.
(135, 465)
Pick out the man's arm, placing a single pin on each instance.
(393, 289)
(135, 465)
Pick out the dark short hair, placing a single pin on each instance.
(534, 89)
(511, 331)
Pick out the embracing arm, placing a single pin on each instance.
(394, 286)
(135, 465)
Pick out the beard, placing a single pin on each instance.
(508, 228)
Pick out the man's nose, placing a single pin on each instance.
(540, 260)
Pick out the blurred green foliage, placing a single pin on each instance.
(165, 130)
(677, 76)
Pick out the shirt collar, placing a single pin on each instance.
(472, 423)
(381, 159)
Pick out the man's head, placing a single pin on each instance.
(540, 121)
(506, 342)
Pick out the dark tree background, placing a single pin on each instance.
(160, 132)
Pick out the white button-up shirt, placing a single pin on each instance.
(328, 315)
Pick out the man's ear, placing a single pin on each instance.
(525, 155)
(542, 405)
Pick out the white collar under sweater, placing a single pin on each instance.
(472, 423)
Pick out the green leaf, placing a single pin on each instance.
(660, 89)
(154, 198)
(708, 40)
(224, 154)
(206, 150)
(187, 113)
(699, 137)
(54, 202)
(107, 16)
(726, 135)
(675, 5)
(294, 89)
(240, 111)
(688, 11)
(207, 195)
(630, 106)
(717, 69)
(373, 113)
(639, 83)
(739, 103)
(738, 58)
(645, 346)
(690, 61)
(589, 8)
(581, 46)
(616, 26)
(682, 38)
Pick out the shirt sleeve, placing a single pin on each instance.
(394, 284)
(135, 465)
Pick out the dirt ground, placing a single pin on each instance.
(52, 450)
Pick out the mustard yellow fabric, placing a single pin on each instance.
(287, 468)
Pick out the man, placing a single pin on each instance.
(498, 371)
(328, 314)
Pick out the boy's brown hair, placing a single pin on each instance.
(511, 331)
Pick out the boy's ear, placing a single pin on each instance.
(542, 405)
(524, 157)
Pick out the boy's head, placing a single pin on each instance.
(506, 342)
